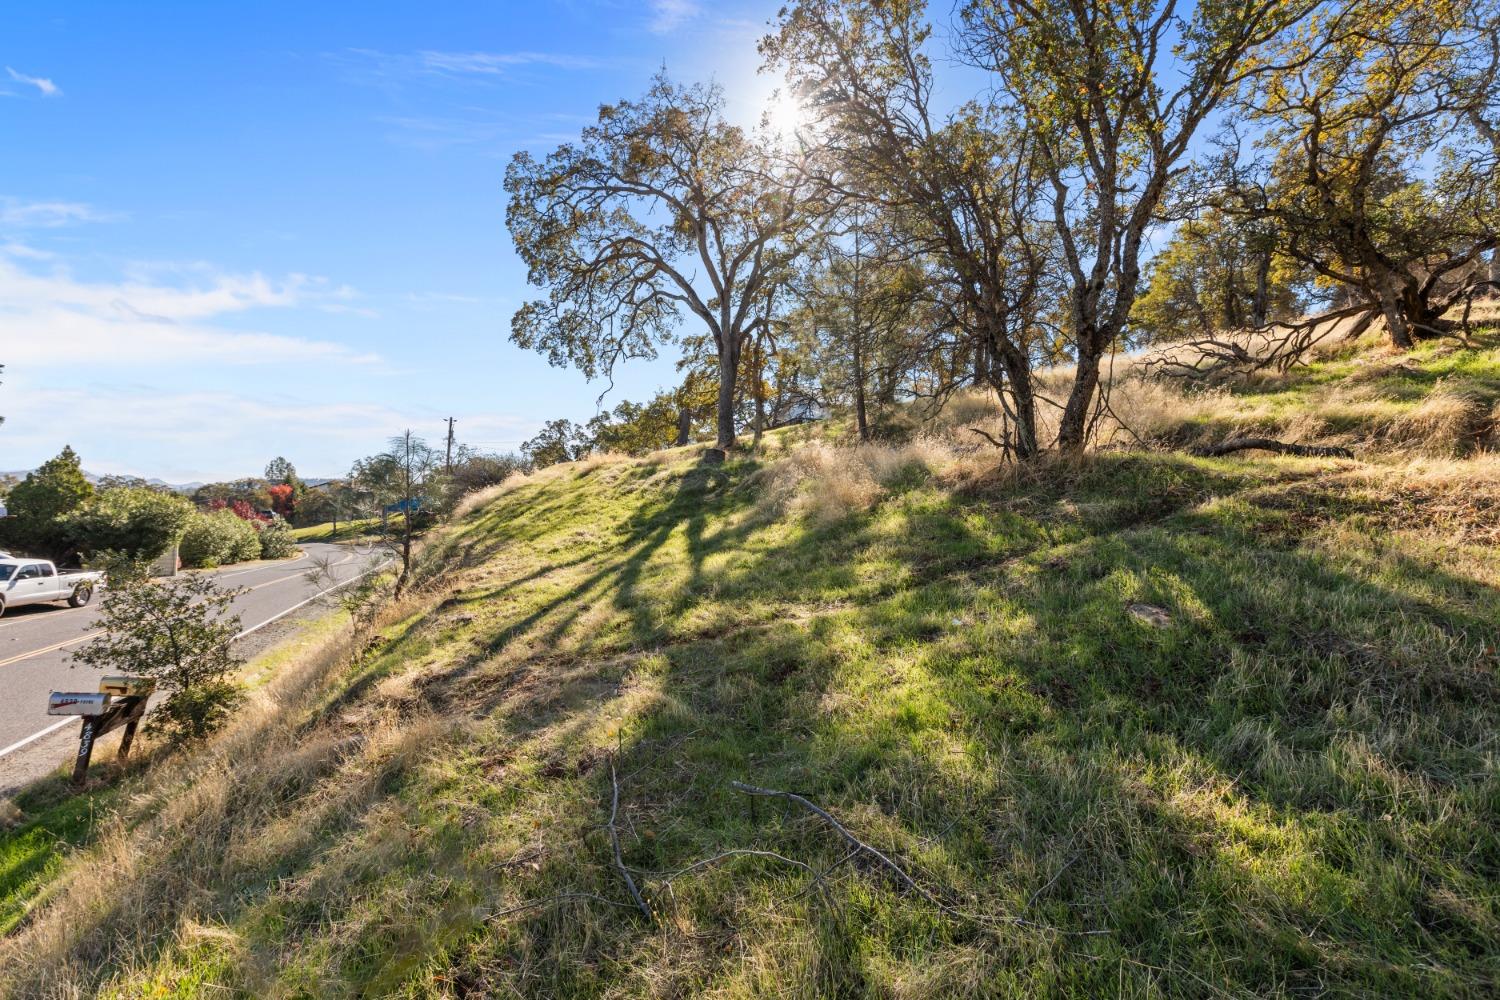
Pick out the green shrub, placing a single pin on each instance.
(246, 543)
(178, 631)
(191, 714)
(276, 540)
(214, 538)
(136, 522)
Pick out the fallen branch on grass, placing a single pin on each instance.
(860, 847)
(1275, 347)
(561, 897)
(1269, 444)
(614, 841)
(843, 831)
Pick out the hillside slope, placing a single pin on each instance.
(1144, 724)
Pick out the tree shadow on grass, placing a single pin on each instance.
(1080, 726)
(1115, 788)
(994, 719)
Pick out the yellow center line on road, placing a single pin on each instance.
(49, 649)
(279, 615)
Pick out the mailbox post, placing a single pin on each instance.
(120, 701)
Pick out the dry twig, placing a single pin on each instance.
(561, 897)
(859, 846)
(614, 841)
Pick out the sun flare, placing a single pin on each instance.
(785, 115)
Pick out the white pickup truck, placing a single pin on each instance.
(37, 581)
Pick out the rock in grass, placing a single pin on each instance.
(1150, 614)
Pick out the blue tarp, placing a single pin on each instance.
(399, 507)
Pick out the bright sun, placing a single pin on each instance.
(785, 115)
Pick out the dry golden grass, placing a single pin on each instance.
(1447, 422)
(220, 815)
(827, 482)
(483, 498)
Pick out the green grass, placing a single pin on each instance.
(347, 531)
(48, 821)
(1289, 789)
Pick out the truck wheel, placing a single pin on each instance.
(82, 594)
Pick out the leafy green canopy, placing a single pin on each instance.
(136, 522)
(662, 208)
(39, 502)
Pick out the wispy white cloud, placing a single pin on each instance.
(20, 214)
(46, 86)
(669, 15)
(23, 252)
(500, 63)
(394, 68)
(48, 318)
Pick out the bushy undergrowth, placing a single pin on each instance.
(277, 540)
(216, 538)
(1137, 724)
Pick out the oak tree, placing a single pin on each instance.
(959, 183)
(663, 208)
(1112, 96)
(1370, 161)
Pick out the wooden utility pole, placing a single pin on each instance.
(448, 461)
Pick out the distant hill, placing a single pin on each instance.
(311, 483)
(94, 478)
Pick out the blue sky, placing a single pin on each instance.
(229, 232)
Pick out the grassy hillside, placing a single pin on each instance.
(1139, 725)
(347, 531)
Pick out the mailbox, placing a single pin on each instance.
(127, 687)
(77, 703)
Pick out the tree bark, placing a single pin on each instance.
(1268, 444)
(1017, 382)
(1072, 429)
(684, 426)
(860, 420)
(729, 364)
(1233, 318)
(1261, 305)
(1395, 323)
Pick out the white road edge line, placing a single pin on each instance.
(302, 604)
(276, 617)
(36, 736)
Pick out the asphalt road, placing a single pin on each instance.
(36, 643)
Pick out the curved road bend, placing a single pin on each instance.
(36, 643)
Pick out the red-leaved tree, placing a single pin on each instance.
(281, 499)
